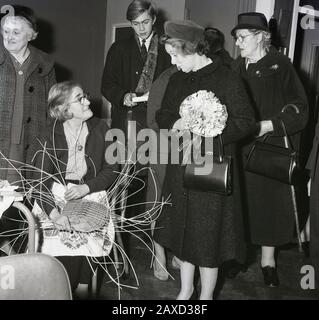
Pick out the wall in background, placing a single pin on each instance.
(221, 15)
(266, 7)
(73, 32)
(116, 13)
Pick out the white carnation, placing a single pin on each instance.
(203, 114)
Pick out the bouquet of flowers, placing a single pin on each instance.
(203, 114)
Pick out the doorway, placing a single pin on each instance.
(307, 65)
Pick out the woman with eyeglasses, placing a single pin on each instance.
(272, 83)
(73, 150)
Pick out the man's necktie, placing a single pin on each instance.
(143, 51)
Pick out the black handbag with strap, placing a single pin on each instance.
(214, 175)
(275, 162)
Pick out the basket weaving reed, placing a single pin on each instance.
(86, 216)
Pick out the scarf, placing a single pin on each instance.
(147, 76)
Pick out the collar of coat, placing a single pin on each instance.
(40, 59)
(59, 129)
(203, 72)
(271, 63)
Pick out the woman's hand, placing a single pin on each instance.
(77, 192)
(128, 100)
(265, 126)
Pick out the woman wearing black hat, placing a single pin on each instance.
(272, 83)
(201, 228)
(26, 75)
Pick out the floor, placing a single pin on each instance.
(245, 286)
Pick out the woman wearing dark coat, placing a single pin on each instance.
(313, 166)
(272, 84)
(26, 75)
(201, 228)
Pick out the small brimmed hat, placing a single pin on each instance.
(186, 30)
(23, 12)
(251, 20)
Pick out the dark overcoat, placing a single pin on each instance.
(273, 83)
(123, 68)
(204, 228)
(39, 79)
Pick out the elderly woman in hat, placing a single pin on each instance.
(202, 229)
(272, 84)
(26, 75)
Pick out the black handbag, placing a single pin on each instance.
(217, 180)
(275, 162)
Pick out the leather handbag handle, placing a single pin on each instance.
(287, 140)
(220, 148)
(291, 105)
(288, 143)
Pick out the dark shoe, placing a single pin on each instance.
(270, 276)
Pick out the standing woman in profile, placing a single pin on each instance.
(26, 76)
(272, 84)
(202, 229)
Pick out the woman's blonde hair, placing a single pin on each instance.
(202, 47)
(59, 95)
(266, 38)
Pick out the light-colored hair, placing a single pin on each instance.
(32, 32)
(59, 96)
(265, 40)
(201, 47)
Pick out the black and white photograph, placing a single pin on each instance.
(162, 151)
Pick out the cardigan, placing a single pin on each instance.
(99, 176)
(38, 81)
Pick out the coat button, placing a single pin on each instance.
(28, 120)
(31, 89)
(136, 72)
(27, 147)
(40, 70)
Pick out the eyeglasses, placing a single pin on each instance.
(81, 99)
(242, 38)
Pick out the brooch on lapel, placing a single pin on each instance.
(258, 73)
(274, 67)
